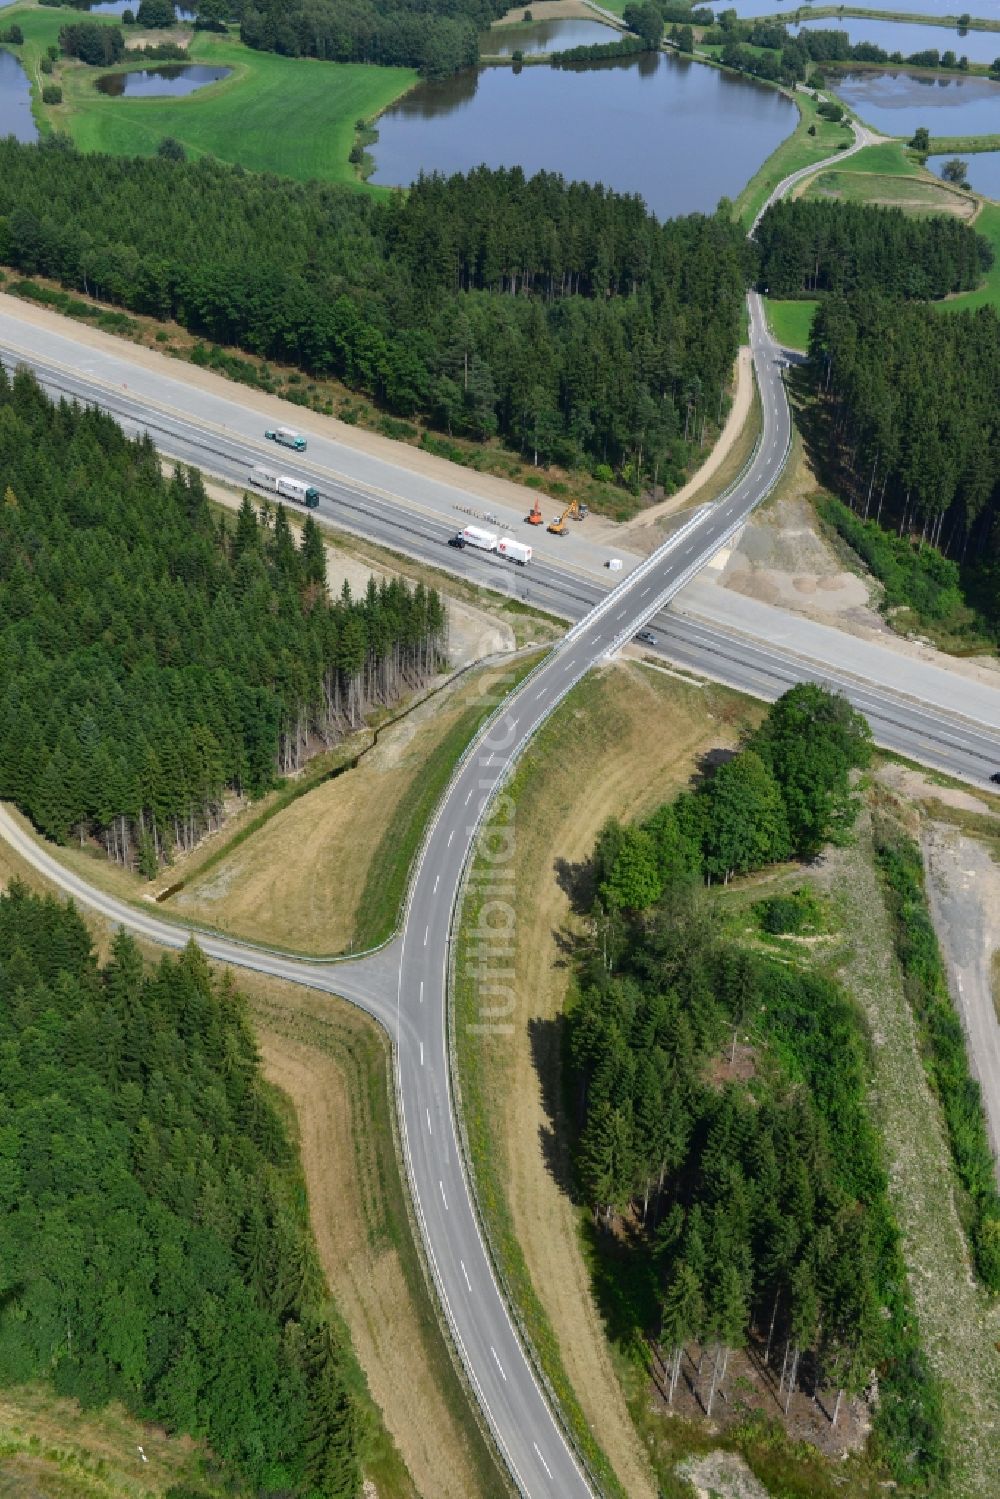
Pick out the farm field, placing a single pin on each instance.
(293, 116)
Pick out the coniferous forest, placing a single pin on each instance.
(562, 317)
(152, 1234)
(910, 397)
(150, 658)
(754, 1202)
(808, 247)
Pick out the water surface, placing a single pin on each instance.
(982, 10)
(172, 78)
(896, 103)
(547, 36)
(678, 133)
(907, 37)
(15, 100)
(984, 170)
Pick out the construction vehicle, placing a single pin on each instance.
(534, 515)
(559, 527)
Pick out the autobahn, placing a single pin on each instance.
(405, 985)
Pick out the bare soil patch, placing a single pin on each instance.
(629, 738)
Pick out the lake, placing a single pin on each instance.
(680, 134)
(896, 103)
(983, 10)
(15, 100)
(908, 37)
(153, 83)
(984, 171)
(546, 36)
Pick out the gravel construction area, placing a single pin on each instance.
(964, 888)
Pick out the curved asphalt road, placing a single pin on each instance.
(404, 985)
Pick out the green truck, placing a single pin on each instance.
(288, 438)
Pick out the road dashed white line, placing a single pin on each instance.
(421, 991)
(437, 881)
(427, 932)
(498, 1363)
(430, 1131)
(465, 1272)
(443, 1197)
(541, 1459)
(421, 1045)
(450, 837)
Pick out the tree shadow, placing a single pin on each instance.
(624, 1281)
(577, 882)
(547, 1039)
(708, 763)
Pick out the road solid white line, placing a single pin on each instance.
(498, 1363)
(541, 1459)
(443, 1197)
(465, 1272)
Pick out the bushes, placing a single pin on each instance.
(51, 93)
(792, 912)
(918, 577)
(943, 1045)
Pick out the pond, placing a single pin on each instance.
(983, 10)
(15, 100)
(149, 83)
(897, 103)
(907, 37)
(984, 171)
(545, 36)
(680, 134)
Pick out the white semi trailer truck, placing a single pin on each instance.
(285, 486)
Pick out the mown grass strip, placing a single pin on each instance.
(942, 1045)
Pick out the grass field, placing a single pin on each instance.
(51, 1449)
(987, 295)
(293, 116)
(800, 150)
(791, 321)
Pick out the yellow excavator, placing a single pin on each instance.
(559, 527)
